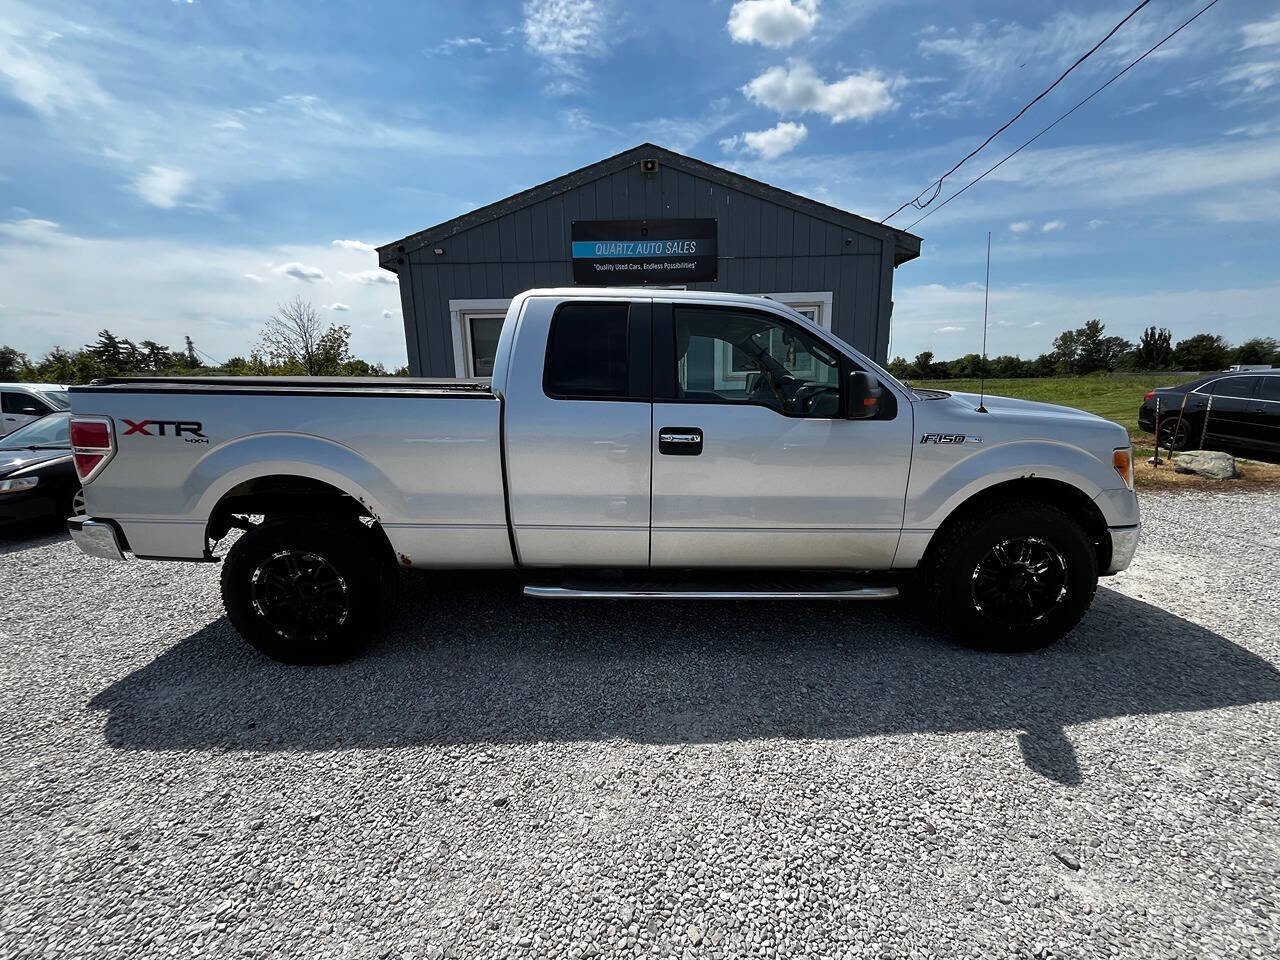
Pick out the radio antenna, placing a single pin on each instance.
(982, 371)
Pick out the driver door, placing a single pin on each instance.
(754, 463)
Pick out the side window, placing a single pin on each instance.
(1271, 388)
(1234, 387)
(587, 352)
(733, 356)
(14, 402)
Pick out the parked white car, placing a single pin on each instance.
(23, 403)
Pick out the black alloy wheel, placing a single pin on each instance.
(301, 595)
(1019, 581)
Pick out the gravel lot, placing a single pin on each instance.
(503, 777)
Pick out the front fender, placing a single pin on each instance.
(937, 488)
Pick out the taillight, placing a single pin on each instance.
(92, 444)
(1150, 394)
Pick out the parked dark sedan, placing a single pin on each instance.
(1236, 410)
(37, 478)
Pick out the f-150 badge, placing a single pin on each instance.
(948, 438)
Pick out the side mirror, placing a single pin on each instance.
(864, 392)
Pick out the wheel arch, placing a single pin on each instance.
(1070, 499)
(282, 494)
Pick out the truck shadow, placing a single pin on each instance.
(467, 660)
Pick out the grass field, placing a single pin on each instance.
(1116, 396)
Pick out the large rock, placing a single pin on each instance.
(1206, 463)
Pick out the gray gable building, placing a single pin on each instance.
(666, 218)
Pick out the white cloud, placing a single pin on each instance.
(950, 328)
(773, 23)
(1041, 312)
(372, 277)
(254, 277)
(1254, 77)
(387, 314)
(38, 77)
(1022, 226)
(162, 187)
(300, 271)
(1052, 225)
(1263, 33)
(1095, 223)
(559, 30)
(769, 144)
(338, 307)
(163, 288)
(359, 245)
(797, 88)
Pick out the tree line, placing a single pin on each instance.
(294, 341)
(1088, 350)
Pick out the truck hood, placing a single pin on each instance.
(1009, 408)
(1008, 420)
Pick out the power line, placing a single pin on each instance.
(937, 188)
(1064, 116)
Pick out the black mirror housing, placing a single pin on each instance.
(863, 395)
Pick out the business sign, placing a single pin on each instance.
(628, 252)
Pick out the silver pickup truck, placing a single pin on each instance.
(631, 444)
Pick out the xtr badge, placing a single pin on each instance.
(193, 429)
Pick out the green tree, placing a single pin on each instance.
(13, 363)
(1204, 351)
(1008, 367)
(108, 352)
(155, 356)
(903, 370)
(1254, 350)
(1155, 349)
(1066, 352)
(295, 337)
(193, 361)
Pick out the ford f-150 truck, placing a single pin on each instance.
(631, 443)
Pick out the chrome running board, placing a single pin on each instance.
(695, 592)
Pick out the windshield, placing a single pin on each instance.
(50, 431)
(58, 399)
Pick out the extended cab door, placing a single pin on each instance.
(578, 418)
(755, 464)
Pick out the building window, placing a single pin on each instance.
(476, 325)
(733, 367)
(814, 306)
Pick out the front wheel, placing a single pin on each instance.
(1016, 577)
(302, 591)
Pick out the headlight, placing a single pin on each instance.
(1122, 460)
(21, 483)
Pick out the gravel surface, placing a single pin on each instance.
(511, 778)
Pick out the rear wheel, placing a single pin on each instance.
(1175, 433)
(302, 591)
(1015, 577)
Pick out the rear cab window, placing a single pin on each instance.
(598, 351)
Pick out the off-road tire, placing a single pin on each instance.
(949, 574)
(347, 554)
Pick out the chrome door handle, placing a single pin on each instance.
(680, 441)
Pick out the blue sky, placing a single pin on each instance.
(171, 168)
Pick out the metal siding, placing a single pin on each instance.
(765, 247)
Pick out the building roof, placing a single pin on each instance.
(906, 245)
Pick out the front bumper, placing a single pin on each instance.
(25, 507)
(1124, 544)
(97, 538)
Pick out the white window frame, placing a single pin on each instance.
(820, 301)
(461, 313)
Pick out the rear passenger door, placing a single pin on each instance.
(1231, 409)
(578, 417)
